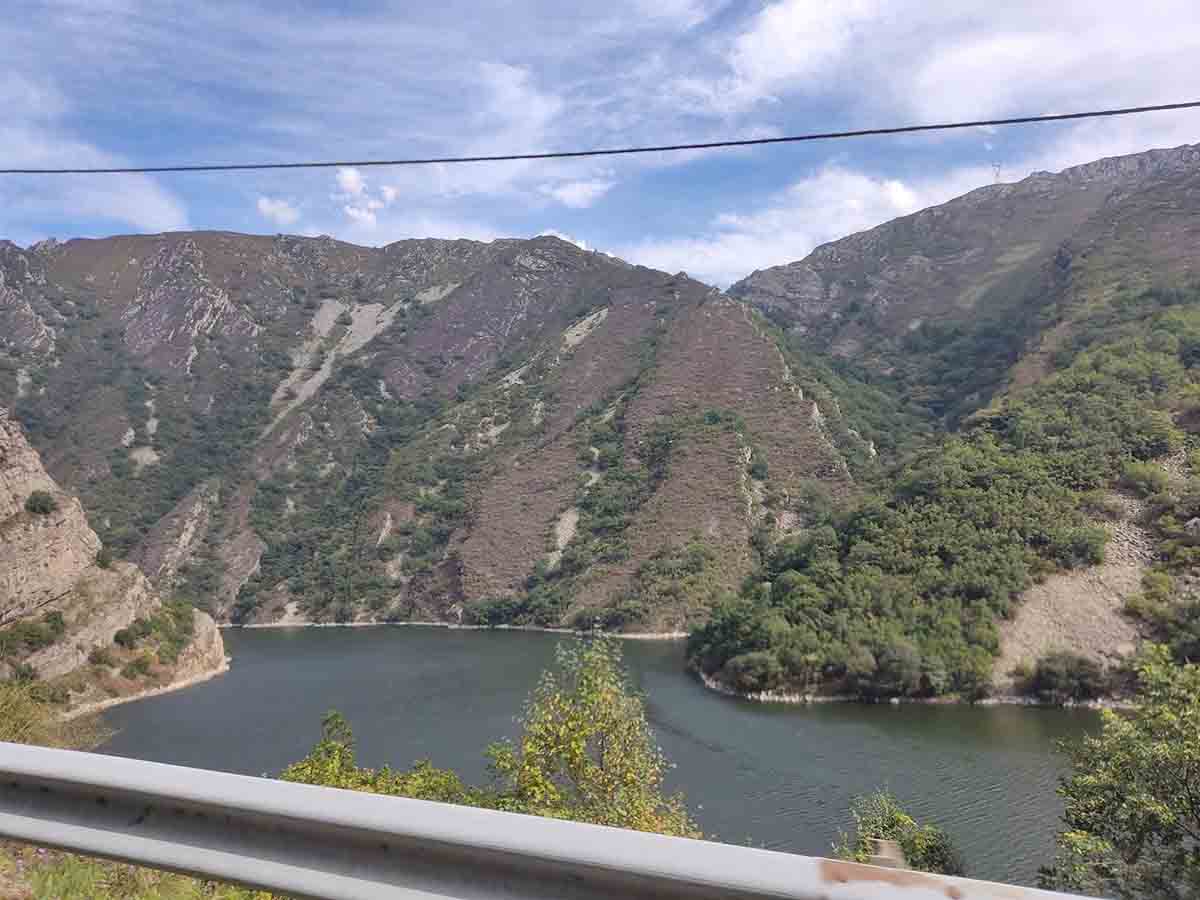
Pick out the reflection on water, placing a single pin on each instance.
(774, 776)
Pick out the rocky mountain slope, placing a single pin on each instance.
(296, 428)
(944, 303)
(89, 629)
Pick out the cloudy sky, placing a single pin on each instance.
(102, 82)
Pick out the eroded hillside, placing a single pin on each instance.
(521, 431)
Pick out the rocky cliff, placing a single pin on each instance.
(71, 617)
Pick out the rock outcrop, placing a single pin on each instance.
(51, 574)
(41, 555)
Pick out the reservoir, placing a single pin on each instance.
(774, 776)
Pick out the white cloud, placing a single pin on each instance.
(351, 181)
(577, 194)
(836, 202)
(33, 134)
(359, 203)
(830, 204)
(278, 211)
(789, 43)
(362, 215)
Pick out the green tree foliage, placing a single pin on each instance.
(1144, 478)
(1061, 677)
(927, 848)
(1132, 819)
(19, 640)
(41, 503)
(901, 594)
(585, 753)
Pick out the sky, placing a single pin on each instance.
(117, 82)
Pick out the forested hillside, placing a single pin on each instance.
(901, 593)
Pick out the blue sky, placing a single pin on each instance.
(98, 82)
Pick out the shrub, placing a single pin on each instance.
(137, 667)
(1144, 478)
(101, 656)
(1060, 677)
(759, 670)
(41, 503)
(104, 558)
(927, 848)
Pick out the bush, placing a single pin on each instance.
(759, 670)
(41, 503)
(1144, 478)
(1061, 677)
(104, 558)
(137, 667)
(101, 656)
(927, 848)
(27, 719)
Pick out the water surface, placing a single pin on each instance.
(774, 776)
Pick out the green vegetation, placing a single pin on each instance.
(66, 877)
(585, 753)
(21, 639)
(1061, 677)
(27, 718)
(41, 503)
(168, 631)
(1132, 818)
(879, 816)
(900, 595)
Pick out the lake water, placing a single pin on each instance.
(775, 776)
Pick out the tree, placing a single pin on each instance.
(1133, 797)
(41, 503)
(1061, 676)
(879, 816)
(585, 753)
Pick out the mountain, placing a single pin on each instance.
(944, 303)
(290, 429)
(91, 629)
(1025, 357)
(957, 438)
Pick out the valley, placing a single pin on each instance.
(843, 475)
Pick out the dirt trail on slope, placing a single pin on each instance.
(1080, 611)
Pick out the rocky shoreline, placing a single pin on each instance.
(190, 681)
(799, 699)
(629, 636)
(203, 659)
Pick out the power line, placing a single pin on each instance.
(612, 151)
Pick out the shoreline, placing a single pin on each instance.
(449, 626)
(798, 699)
(99, 706)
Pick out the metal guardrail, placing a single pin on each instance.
(327, 844)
